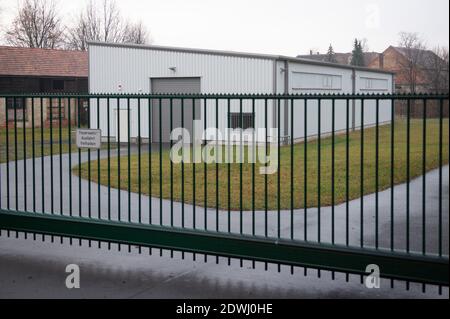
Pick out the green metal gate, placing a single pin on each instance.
(342, 196)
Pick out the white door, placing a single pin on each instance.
(121, 117)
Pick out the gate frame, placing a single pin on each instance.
(400, 266)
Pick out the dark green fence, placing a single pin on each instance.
(351, 183)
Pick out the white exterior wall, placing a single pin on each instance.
(313, 73)
(385, 106)
(132, 68)
(309, 79)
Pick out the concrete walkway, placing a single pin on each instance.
(135, 274)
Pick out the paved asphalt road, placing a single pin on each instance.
(36, 269)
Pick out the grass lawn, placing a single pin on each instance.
(432, 151)
(26, 150)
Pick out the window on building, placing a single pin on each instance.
(16, 109)
(327, 81)
(374, 84)
(248, 120)
(316, 81)
(12, 103)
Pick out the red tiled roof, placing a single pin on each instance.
(43, 62)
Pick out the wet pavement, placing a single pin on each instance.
(36, 269)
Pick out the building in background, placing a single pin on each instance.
(341, 58)
(416, 71)
(122, 68)
(33, 70)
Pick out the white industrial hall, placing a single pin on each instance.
(150, 69)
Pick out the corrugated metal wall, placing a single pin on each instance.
(344, 86)
(132, 68)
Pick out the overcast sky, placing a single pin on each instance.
(287, 27)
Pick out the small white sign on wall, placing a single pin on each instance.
(89, 138)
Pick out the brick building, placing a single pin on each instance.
(427, 64)
(341, 58)
(34, 70)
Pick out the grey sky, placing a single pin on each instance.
(286, 27)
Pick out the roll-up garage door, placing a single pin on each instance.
(187, 85)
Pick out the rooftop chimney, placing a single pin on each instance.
(381, 60)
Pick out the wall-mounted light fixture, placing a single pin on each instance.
(173, 68)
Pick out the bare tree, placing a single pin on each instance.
(365, 45)
(136, 33)
(410, 64)
(105, 24)
(437, 69)
(37, 25)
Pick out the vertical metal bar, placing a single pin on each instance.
(33, 141)
(108, 129)
(79, 160)
(408, 129)
(7, 156)
(347, 172)
(254, 150)
(193, 167)
(182, 163)
(319, 171)
(139, 160)
(60, 157)
(217, 165)
(305, 173)
(424, 158)
(319, 146)
(89, 162)
(333, 127)
(441, 115)
(150, 141)
(6, 128)
(69, 133)
(98, 164)
(89, 167)
(24, 154)
(205, 170)
(253, 167)
(229, 165)
(241, 155)
(392, 171)
(265, 175)
(362, 175)
(171, 164)
(160, 165)
(279, 169)
(292, 168)
(377, 151)
(42, 155)
(128, 158)
(118, 162)
(51, 155)
(16, 170)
